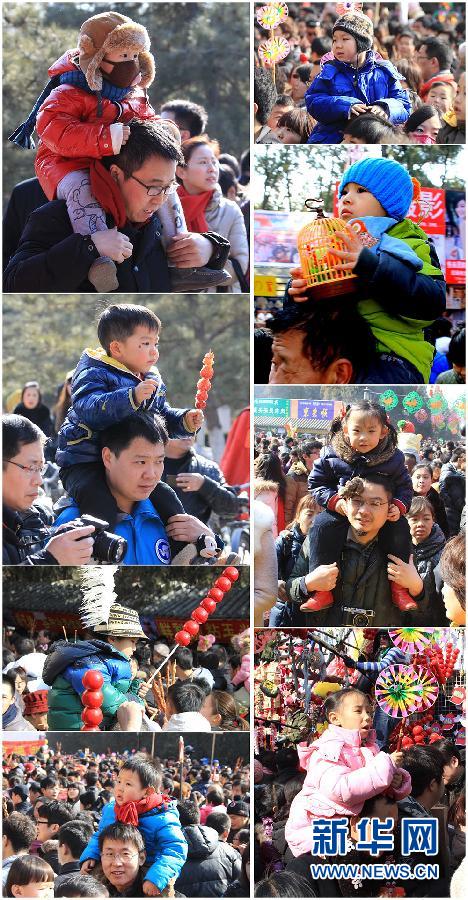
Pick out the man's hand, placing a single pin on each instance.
(358, 109)
(393, 513)
(150, 889)
(113, 244)
(143, 689)
(186, 529)
(190, 481)
(74, 548)
(298, 287)
(194, 419)
(396, 757)
(323, 578)
(405, 575)
(187, 250)
(282, 595)
(87, 866)
(145, 390)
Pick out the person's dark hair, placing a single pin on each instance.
(264, 94)
(47, 782)
(55, 812)
(268, 800)
(184, 658)
(26, 870)
(20, 790)
(297, 119)
(457, 346)
(36, 386)
(285, 101)
(149, 773)
(7, 678)
(452, 567)
(419, 505)
(186, 696)
(75, 835)
(447, 748)
(119, 321)
(457, 454)
(227, 709)
(304, 72)
(307, 447)
(118, 831)
(91, 779)
(189, 147)
(371, 129)
(226, 179)
(332, 329)
(262, 355)
(411, 73)
(91, 799)
(369, 805)
(215, 796)
(268, 467)
(456, 815)
(118, 437)
(77, 885)
(22, 644)
(422, 466)
(146, 139)
(438, 49)
(284, 884)
(227, 159)
(355, 486)
(423, 764)
(187, 115)
(335, 701)
(320, 46)
(17, 432)
(20, 830)
(369, 408)
(189, 813)
(426, 111)
(35, 787)
(218, 820)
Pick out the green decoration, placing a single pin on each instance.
(412, 402)
(388, 400)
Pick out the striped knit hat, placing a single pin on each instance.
(123, 622)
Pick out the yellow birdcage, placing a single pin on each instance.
(315, 243)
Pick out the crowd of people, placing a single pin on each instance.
(326, 749)
(145, 203)
(346, 523)
(362, 77)
(93, 824)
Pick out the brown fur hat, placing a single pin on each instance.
(106, 33)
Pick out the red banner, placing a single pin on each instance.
(455, 271)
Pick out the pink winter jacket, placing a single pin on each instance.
(341, 774)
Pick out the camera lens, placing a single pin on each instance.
(109, 547)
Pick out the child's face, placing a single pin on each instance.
(357, 201)
(353, 713)
(128, 787)
(460, 99)
(138, 352)
(350, 139)
(440, 96)
(119, 56)
(422, 481)
(126, 645)
(44, 889)
(201, 172)
(287, 135)
(344, 46)
(420, 526)
(364, 432)
(429, 128)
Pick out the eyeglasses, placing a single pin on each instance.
(125, 856)
(31, 470)
(358, 502)
(153, 191)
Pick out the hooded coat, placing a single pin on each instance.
(211, 866)
(426, 557)
(342, 773)
(452, 489)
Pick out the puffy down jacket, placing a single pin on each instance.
(211, 865)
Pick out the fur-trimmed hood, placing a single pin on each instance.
(381, 454)
(106, 33)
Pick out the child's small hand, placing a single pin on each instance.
(341, 507)
(393, 513)
(87, 866)
(194, 419)
(396, 757)
(350, 255)
(378, 111)
(298, 287)
(397, 781)
(145, 390)
(358, 109)
(150, 889)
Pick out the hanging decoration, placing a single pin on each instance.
(388, 400)
(412, 402)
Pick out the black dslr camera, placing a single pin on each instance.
(108, 547)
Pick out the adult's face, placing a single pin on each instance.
(201, 172)
(367, 513)
(155, 172)
(382, 810)
(120, 863)
(422, 481)
(428, 65)
(178, 447)
(290, 365)
(31, 397)
(420, 526)
(7, 696)
(405, 46)
(298, 87)
(135, 472)
(20, 486)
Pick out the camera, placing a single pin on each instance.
(107, 547)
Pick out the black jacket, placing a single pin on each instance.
(439, 510)
(71, 868)
(40, 416)
(452, 492)
(50, 257)
(23, 536)
(214, 495)
(25, 197)
(211, 865)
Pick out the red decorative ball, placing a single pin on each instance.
(209, 605)
(92, 680)
(434, 737)
(407, 742)
(231, 573)
(216, 594)
(92, 717)
(183, 638)
(191, 627)
(199, 615)
(417, 729)
(224, 584)
(92, 699)
(419, 739)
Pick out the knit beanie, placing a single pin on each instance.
(359, 26)
(387, 180)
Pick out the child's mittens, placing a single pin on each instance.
(150, 889)
(87, 866)
(194, 419)
(119, 136)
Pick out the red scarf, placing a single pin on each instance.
(107, 192)
(129, 813)
(194, 206)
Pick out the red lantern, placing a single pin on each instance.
(92, 680)
(183, 638)
(216, 594)
(224, 584)
(93, 699)
(209, 605)
(191, 627)
(199, 615)
(92, 717)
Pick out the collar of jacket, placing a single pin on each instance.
(12, 521)
(433, 543)
(99, 355)
(382, 453)
(142, 509)
(216, 198)
(368, 64)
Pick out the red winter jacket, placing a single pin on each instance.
(70, 130)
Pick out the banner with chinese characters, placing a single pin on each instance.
(271, 406)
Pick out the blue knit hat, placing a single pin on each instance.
(387, 180)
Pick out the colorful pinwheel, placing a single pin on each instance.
(273, 50)
(403, 690)
(411, 639)
(272, 14)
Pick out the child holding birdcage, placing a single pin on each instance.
(382, 258)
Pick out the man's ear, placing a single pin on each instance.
(339, 372)
(55, 827)
(216, 719)
(106, 454)
(115, 172)
(180, 171)
(142, 857)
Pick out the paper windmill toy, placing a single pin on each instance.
(403, 690)
(272, 14)
(273, 50)
(411, 639)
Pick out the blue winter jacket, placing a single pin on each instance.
(147, 543)
(165, 844)
(330, 472)
(339, 86)
(103, 393)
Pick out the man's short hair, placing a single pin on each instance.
(438, 49)
(118, 831)
(22, 644)
(423, 764)
(452, 567)
(186, 696)
(184, 658)
(76, 835)
(10, 680)
(55, 812)
(265, 94)
(457, 454)
(308, 447)
(149, 773)
(118, 437)
(18, 432)
(457, 348)
(120, 320)
(146, 139)
(420, 505)
(320, 45)
(20, 830)
(447, 748)
(189, 813)
(76, 885)
(215, 795)
(47, 782)
(187, 115)
(218, 820)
